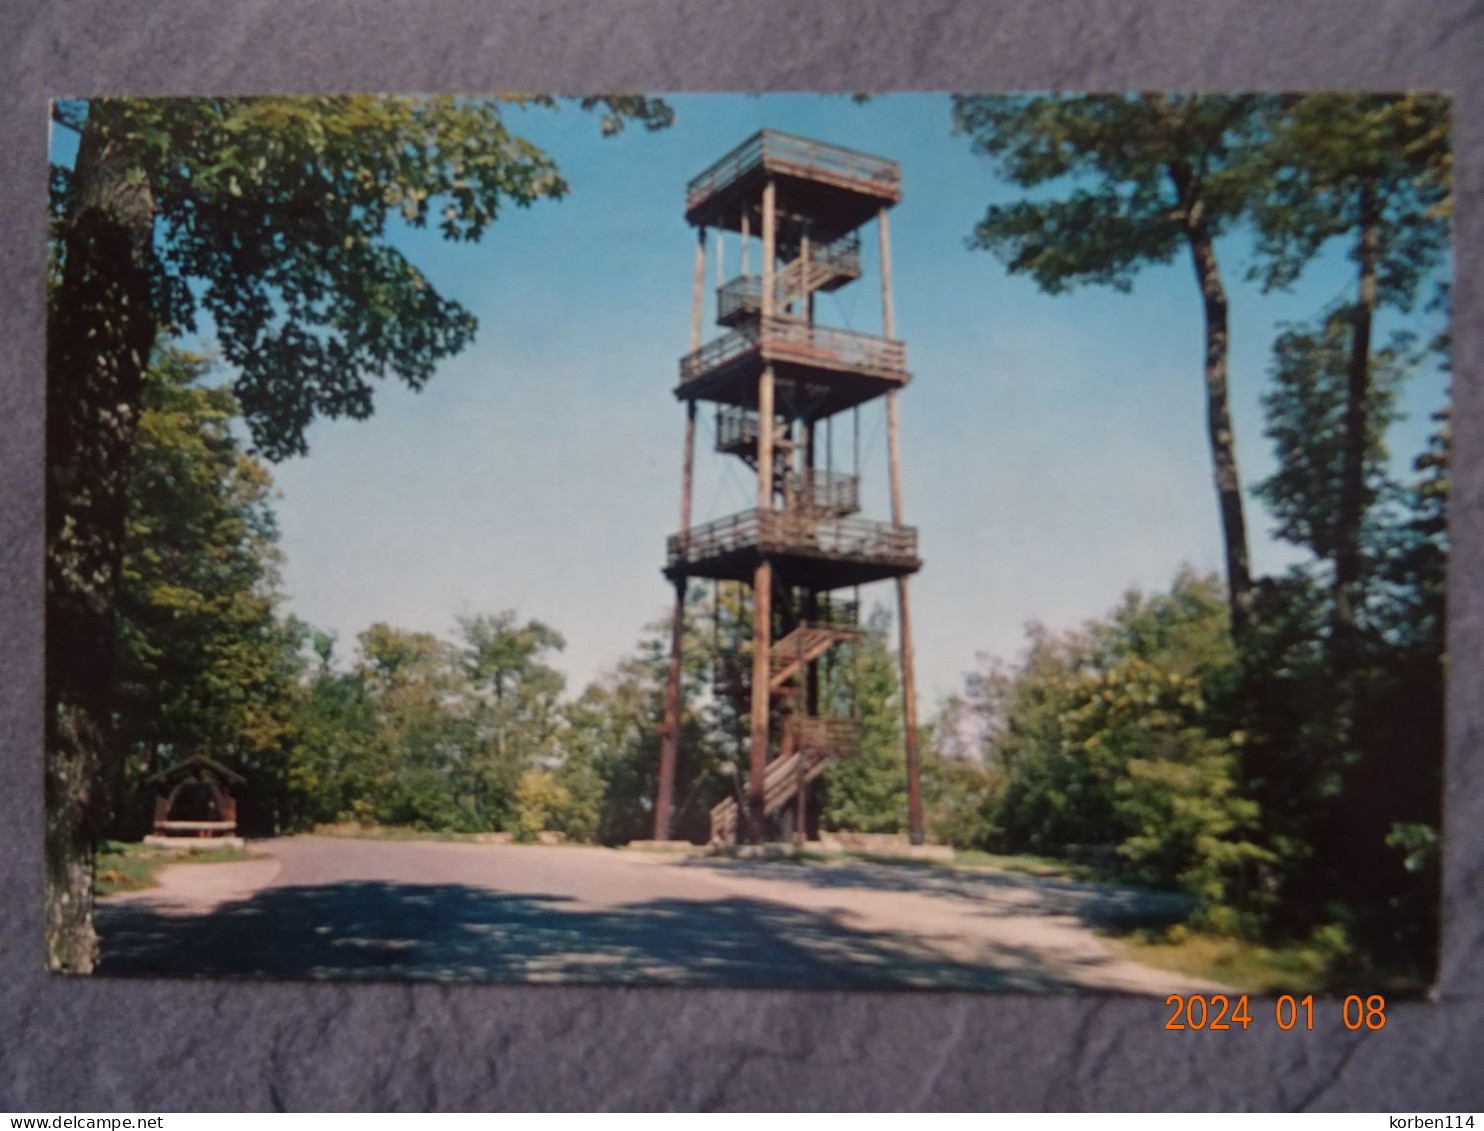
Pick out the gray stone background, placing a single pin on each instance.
(86, 1045)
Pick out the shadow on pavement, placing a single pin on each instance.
(993, 893)
(378, 930)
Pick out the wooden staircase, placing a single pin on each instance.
(818, 742)
(800, 279)
(788, 657)
(790, 654)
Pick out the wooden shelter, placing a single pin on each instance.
(780, 382)
(193, 798)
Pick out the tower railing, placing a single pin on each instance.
(771, 531)
(799, 156)
(830, 264)
(782, 338)
(839, 615)
(834, 493)
(736, 429)
(738, 298)
(840, 737)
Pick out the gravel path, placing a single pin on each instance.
(378, 909)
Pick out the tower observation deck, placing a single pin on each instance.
(779, 382)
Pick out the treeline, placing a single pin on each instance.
(1271, 745)
(479, 733)
(1281, 758)
(1151, 743)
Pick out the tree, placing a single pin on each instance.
(330, 770)
(204, 661)
(514, 705)
(1108, 741)
(1308, 418)
(868, 791)
(1347, 751)
(611, 737)
(1143, 176)
(1375, 168)
(271, 215)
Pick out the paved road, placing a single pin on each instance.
(377, 909)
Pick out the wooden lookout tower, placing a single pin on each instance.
(780, 381)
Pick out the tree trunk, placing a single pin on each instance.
(1218, 408)
(1352, 474)
(100, 332)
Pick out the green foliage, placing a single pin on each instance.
(1104, 744)
(612, 737)
(204, 661)
(544, 804)
(272, 215)
(1305, 420)
(330, 767)
(431, 734)
(1327, 157)
(1351, 813)
(960, 795)
(1121, 208)
(1119, 182)
(868, 792)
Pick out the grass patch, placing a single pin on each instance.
(1317, 966)
(133, 867)
(353, 830)
(1243, 965)
(1043, 866)
(357, 831)
(964, 860)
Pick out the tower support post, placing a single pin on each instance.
(670, 726)
(762, 616)
(915, 830)
(762, 582)
(698, 290)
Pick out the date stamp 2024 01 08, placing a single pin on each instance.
(1218, 1011)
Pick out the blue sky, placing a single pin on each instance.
(1053, 448)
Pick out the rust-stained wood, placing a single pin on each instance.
(775, 532)
(915, 830)
(786, 755)
(770, 248)
(762, 630)
(688, 463)
(805, 201)
(698, 290)
(779, 781)
(804, 304)
(836, 187)
(888, 318)
(670, 725)
(762, 585)
(782, 338)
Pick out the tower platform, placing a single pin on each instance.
(818, 554)
(833, 188)
(818, 370)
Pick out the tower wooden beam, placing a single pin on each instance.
(915, 830)
(762, 584)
